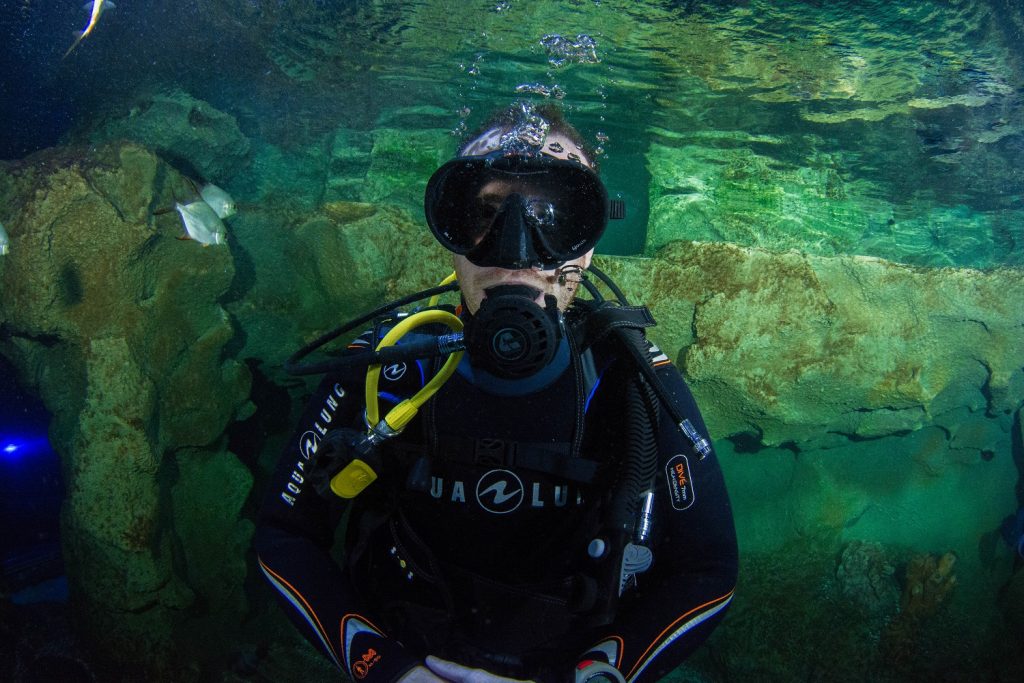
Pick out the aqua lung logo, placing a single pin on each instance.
(680, 485)
(309, 443)
(509, 343)
(394, 372)
(500, 492)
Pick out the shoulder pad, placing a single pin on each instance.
(596, 324)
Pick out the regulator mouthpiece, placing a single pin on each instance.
(510, 336)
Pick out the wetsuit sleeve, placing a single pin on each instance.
(294, 535)
(679, 601)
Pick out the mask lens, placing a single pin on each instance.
(564, 207)
(541, 214)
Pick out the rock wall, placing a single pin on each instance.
(806, 350)
(116, 324)
(199, 138)
(866, 388)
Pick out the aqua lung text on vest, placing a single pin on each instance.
(309, 443)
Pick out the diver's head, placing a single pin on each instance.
(521, 204)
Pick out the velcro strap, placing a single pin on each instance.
(547, 458)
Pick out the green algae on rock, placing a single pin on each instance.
(111, 319)
(771, 338)
(182, 129)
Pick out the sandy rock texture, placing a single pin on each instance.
(116, 324)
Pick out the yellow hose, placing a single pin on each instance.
(399, 416)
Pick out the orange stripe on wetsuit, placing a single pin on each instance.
(309, 608)
(675, 623)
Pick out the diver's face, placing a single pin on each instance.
(474, 279)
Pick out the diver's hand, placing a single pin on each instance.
(420, 674)
(457, 673)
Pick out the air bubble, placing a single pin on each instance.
(542, 90)
(562, 50)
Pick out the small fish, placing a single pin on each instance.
(98, 7)
(219, 200)
(5, 242)
(201, 222)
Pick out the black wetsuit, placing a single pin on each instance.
(482, 565)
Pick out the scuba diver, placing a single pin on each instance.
(526, 483)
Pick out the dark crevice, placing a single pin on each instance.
(45, 340)
(747, 442)
(247, 438)
(860, 438)
(790, 446)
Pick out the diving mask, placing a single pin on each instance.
(517, 210)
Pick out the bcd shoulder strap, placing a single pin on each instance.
(597, 323)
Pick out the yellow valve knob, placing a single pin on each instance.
(351, 481)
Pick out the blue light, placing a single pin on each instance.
(19, 447)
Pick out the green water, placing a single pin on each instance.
(844, 128)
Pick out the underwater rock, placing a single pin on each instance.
(866, 576)
(207, 502)
(116, 325)
(385, 166)
(190, 133)
(700, 192)
(349, 162)
(306, 270)
(929, 581)
(348, 212)
(359, 258)
(794, 347)
(401, 162)
(278, 178)
(846, 392)
(37, 644)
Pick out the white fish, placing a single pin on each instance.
(5, 242)
(219, 200)
(201, 222)
(98, 7)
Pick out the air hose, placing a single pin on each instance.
(618, 552)
(641, 460)
(293, 367)
(399, 416)
(364, 462)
